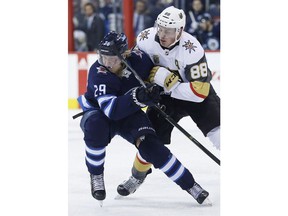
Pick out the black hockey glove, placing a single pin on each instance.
(148, 96)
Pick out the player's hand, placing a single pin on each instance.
(148, 96)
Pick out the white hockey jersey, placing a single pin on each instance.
(186, 59)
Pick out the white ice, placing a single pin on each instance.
(158, 195)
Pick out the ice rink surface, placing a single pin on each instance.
(158, 195)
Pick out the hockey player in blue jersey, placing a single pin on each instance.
(112, 106)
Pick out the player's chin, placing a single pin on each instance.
(164, 43)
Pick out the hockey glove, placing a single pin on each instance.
(148, 96)
(164, 78)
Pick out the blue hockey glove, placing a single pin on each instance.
(148, 96)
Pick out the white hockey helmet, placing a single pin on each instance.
(172, 17)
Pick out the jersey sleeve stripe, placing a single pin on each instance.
(107, 109)
(84, 104)
(103, 99)
(200, 90)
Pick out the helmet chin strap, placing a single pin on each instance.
(175, 41)
(177, 36)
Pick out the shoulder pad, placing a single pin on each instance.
(145, 36)
(138, 52)
(191, 49)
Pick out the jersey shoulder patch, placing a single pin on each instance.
(146, 38)
(101, 70)
(190, 46)
(191, 49)
(137, 52)
(145, 34)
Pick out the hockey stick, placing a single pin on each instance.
(78, 114)
(167, 117)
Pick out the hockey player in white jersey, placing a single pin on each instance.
(182, 70)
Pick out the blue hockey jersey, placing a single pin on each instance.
(111, 93)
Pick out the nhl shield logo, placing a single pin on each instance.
(156, 59)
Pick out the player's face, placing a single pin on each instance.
(113, 63)
(166, 36)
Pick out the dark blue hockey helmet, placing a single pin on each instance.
(113, 43)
